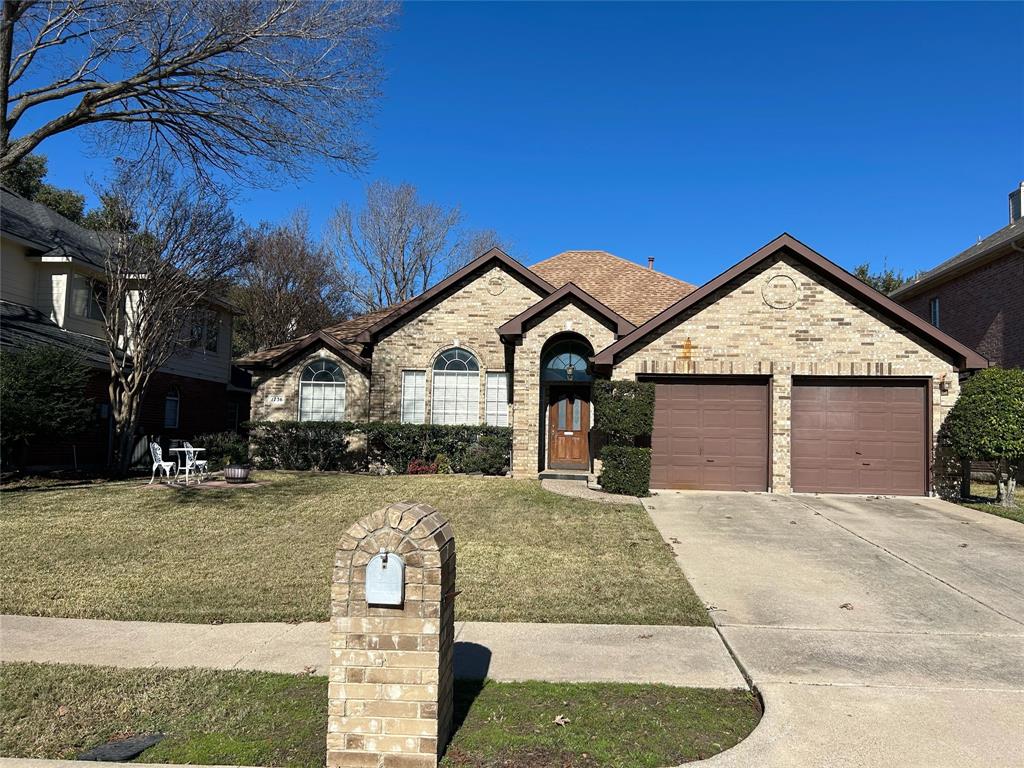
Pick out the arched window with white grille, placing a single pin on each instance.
(322, 392)
(455, 390)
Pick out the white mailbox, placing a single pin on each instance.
(385, 579)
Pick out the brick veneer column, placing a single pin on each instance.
(781, 410)
(391, 677)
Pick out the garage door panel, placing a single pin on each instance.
(876, 440)
(719, 441)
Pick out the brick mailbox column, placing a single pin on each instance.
(390, 695)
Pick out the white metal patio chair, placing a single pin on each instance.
(158, 462)
(195, 465)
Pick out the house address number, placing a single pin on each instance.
(274, 400)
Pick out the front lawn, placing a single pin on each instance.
(983, 497)
(255, 718)
(127, 551)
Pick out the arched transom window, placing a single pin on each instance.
(455, 393)
(566, 361)
(322, 392)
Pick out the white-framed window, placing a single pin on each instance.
(455, 388)
(414, 397)
(172, 408)
(205, 331)
(496, 399)
(322, 392)
(88, 297)
(933, 307)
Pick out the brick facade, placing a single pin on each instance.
(527, 417)
(276, 393)
(390, 695)
(983, 308)
(782, 320)
(466, 318)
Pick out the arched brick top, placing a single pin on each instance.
(424, 539)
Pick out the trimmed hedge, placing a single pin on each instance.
(320, 445)
(623, 410)
(469, 448)
(390, 446)
(624, 415)
(626, 470)
(223, 448)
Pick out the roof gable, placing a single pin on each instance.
(450, 284)
(569, 292)
(785, 243)
(999, 243)
(634, 292)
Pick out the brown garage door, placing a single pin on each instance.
(710, 434)
(859, 437)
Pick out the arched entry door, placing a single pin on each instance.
(566, 384)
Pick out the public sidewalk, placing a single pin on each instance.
(681, 656)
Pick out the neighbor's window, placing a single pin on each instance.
(322, 392)
(497, 399)
(88, 297)
(455, 391)
(933, 305)
(172, 405)
(414, 391)
(205, 331)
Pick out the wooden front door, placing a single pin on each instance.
(568, 431)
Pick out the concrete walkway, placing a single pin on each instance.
(682, 656)
(879, 631)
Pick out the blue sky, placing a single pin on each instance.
(693, 133)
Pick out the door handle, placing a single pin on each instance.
(710, 461)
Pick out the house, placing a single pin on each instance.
(978, 295)
(784, 373)
(50, 266)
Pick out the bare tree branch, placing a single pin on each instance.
(396, 246)
(252, 88)
(289, 286)
(173, 248)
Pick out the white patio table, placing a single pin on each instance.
(180, 457)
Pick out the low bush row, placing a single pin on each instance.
(381, 447)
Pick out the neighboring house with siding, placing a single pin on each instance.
(50, 266)
(978, 295)
(784, 373)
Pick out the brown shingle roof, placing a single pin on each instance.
(343, 333)
(635, 292)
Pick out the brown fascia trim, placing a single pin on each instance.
(313, 340)
(943, 275)
(437, 292)
(968, 358)
(514, 327)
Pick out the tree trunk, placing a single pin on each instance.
(1006, 483)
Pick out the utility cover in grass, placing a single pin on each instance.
(122, 750)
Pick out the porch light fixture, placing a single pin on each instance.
(569, 371)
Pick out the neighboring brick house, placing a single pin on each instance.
(784, 373)
(49, 265)
(978, 295)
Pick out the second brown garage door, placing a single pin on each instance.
(710, 434)
(859, 437)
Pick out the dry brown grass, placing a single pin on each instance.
(127, 551)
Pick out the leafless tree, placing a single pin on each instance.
(171, 251)
(476, 242)
(288, 286)
(396, 246)
(213, 83)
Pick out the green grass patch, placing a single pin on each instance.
(127, 551)
(983, 497)
(255, 718)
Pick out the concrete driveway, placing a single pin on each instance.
(880, 631)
